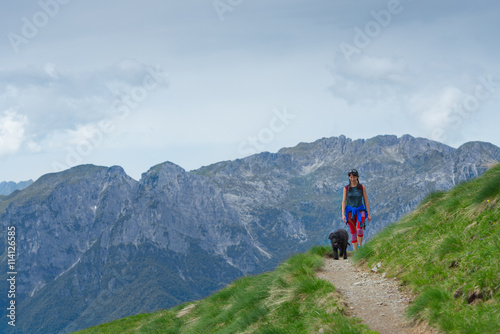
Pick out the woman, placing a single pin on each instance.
(354, 211)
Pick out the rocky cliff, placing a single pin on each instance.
(95, 245)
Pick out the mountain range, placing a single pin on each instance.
(7, 188)
(94, 245)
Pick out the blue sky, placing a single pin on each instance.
(137, 83)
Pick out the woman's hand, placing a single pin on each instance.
(343, 219)
(369, 217)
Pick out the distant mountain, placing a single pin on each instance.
(95, 245)
(7, 188)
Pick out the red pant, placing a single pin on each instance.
(354, 225)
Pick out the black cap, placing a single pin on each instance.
(353, 172)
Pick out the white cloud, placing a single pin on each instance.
(392, 69)
(11, 132)
(11, 92)
(61, 104)
(34, 147)
(228, 75)
(435, 110)
(50, 69)
(82, 134)
(369, 79)
(435, 99)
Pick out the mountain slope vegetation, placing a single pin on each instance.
(448, 252)
(289, 299)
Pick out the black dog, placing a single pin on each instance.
(340, 240)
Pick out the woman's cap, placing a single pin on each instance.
(353, 172)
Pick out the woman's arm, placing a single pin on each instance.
(344, 201)
(367, 204)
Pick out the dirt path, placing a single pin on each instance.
(372, 297)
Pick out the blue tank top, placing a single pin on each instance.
(354, 197)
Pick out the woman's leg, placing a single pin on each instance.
(360, 230)
(352, 227)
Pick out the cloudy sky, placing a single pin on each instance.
(194, 82)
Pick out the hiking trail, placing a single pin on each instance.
(372, 297)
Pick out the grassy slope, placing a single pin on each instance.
(288, 300)
(448, 252)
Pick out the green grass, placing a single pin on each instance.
(448, 251)
(289, 299)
